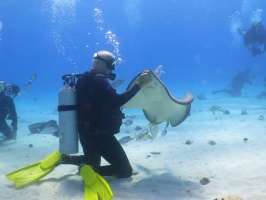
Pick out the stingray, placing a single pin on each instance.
(49, 127)
(158, 104)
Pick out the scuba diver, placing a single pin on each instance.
(8, 109)
(236, 84)
(100, 117)
(255, 38)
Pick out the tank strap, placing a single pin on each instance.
(67, 108)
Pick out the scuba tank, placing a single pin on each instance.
(67, 108)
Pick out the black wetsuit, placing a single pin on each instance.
(236, 84)
(254, 38)
(7, 107)
(99, 118)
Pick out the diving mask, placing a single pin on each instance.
(110, 64)
(9, 89)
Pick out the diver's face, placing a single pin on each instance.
(106, 71)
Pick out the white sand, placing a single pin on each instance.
(234, 167)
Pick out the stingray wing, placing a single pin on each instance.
(158, 104)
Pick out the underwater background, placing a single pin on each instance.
(194, 40)
(200, 50)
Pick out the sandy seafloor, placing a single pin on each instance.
(233, 166)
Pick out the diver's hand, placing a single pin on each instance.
(144, 78)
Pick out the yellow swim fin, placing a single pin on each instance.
(95, 186)
(33, 172)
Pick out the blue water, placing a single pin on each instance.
(195, 41)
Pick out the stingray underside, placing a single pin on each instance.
(158, 104)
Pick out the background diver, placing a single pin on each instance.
(236, 84)
(8, 109)
(255, 38)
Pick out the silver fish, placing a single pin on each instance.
(137, 128)
(124, 139)
(159, 70)
(132, 116)
(154, 130)
(117, 83)
(143, 135)
(163, 133)
(128, 122)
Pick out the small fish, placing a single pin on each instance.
(137, 128)
(29, 145)
(163, 133)
(155, 152)
(143, 135)
(159, 70)
(188, 142)
(154, 130)
(124, 139)
(211, 142)
(117, 83)
(128, 122)
(132, 136)
(132, 116)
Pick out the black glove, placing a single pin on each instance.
(144, 78)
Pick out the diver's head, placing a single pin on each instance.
(11, 89)
(2, 86)
(2, 89)
(104, 62)
(258, 27)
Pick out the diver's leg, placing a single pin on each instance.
(219, 91)
(91, 155)
(235, 92)
(5, 129)
(261, 95)
(112, 152)
(90, 147)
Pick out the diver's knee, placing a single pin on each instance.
(125, 173)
